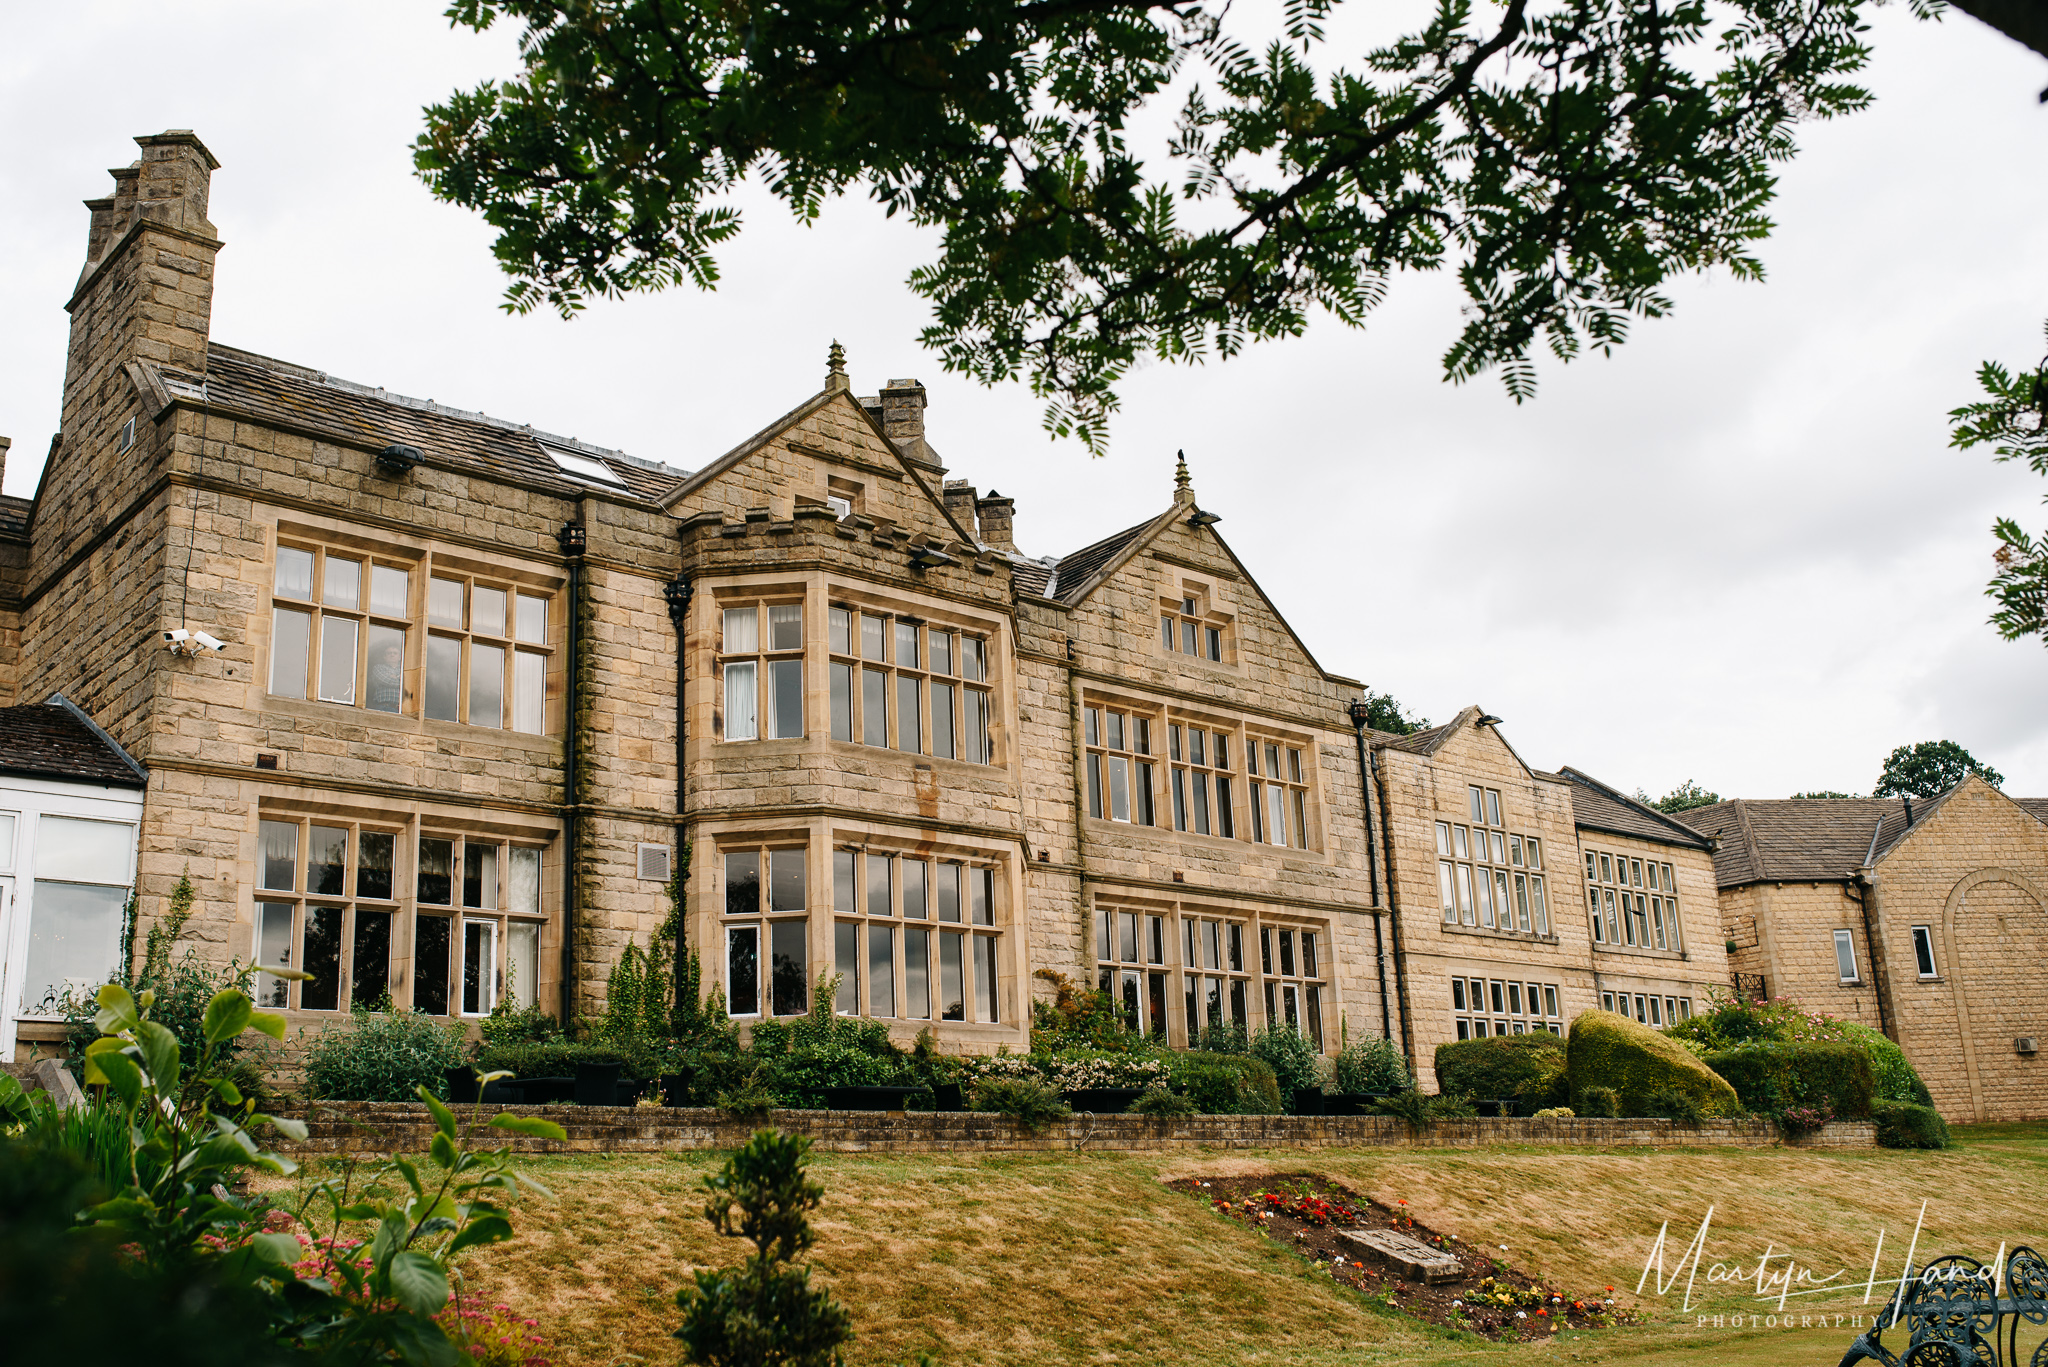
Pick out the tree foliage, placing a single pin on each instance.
(1565, 160)
(1930, 769)
(1820, 793)
(1683, 798)
(2012, 419)
(1384, 713)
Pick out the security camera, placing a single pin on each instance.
(174, 639)
(208, 641)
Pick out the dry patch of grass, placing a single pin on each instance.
(1090, 1259)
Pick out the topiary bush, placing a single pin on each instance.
(1903, 1125)
(1896, 1078)
(1606, 1050)
(382, 1056)
(1291, 1057)
(1774, 1078)
(1373, 1065)
(1528, 1068)
(1731, 1024)
(1598, 1103)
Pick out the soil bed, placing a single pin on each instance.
(1493, 1300)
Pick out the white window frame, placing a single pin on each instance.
(1924, 961)
(1845, 956)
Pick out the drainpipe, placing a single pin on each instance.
(1394, 917)
(572, 540)
(1372, 864)
(1862, 884)
(677, 592)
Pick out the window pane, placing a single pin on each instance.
(909, 734)
(291, 640)
(1300, 821)
(977, 727)
(1475, 801)
(1492, 807)
(1142, 788)
(1187, 638)
(906, 645)
(323, 960)
(529, 691)
(742, 631)
(917, 997)
(480, 876)
(1198, 742)
(385, 686)
(786, 626)
(532, 623)
(273, 950)
(342, 584)
(522, 959)
(842, 700)
(916, 876)
(941, 647)
(1166, 632)
(1460, 844)
(429, 963)
(279, 853)
(1113, 730)
(294, 573)
(846, 963)
(880, 902)
(786, 880)
(444, 677)
(1215, 643)
(74, 943)
(337, 659)
(792, 985)
(942, 717)
(740, 696)
(1199, 786)
(390, 588)
(1499, 848)
(952, 979)
(1276, 811)
(486, 685)
(881, 970)
(370, 957)
(444, 603)
(1287, 954)
(786, 699)
(1180, 800)
(973, 658)
(743, 883)
(1119, 788)
(743, 970)
(985, 978)
(327, 861)
(874, 706)
(436, 872)
(981, 883)
(522, 883)
(1845, 956)
(874, 635)
(1923, 950)
(946, 891)
(487, 611)
(1539, 916)
(840, 623)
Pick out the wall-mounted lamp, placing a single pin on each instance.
(396, 459)
(1488, 720)
(924, 558)
(677, 591)
(1361, 713)
(1198, 518)
(571, 538)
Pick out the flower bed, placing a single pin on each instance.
(1494, 1300)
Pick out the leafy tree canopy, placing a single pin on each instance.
(1683, 798)
(1565, 160)
(1821, 792)
(1930, 769)
(1383, 713)
(2012, 419)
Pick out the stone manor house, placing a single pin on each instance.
(431, 703)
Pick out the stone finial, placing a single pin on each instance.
(1183, 491)
(835, 368)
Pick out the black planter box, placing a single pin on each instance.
(504, 1092)
(675, 1088)
(546, 1091)
(869, 1098)
(461, 1083)
(597, 1084)
(1104, 1100)
(949, 1096)
(1504, 1106)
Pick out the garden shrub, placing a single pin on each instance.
(1164, 1105)
(1419, 1109)
(1078, 1017)
(382, 1056)
(1291, 1057)
(559, 1057)
(1896, 1078)
(1731, 1023)
(1225, 1084)
(1373, 1065)
(1528, 1068)
(1773, 1078)
(1224, 1037)
(1027, 1100)
(1607, 1050)
(1554, 1113)
(509, 1024)
(1681, 1107)
(1903, 1125)
(1599, 1103)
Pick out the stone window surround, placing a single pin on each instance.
(1464, 857)
(1515, 1011)
(1647, 1005)
(420, 558)
(822, 921)
(1187, 613)
(909, 661)
(1240, 732)
(1175, 917)
(501, 829)
(1601, 887)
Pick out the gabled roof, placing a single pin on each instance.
(1078, 574)
(55, 740)
(1598, 807)
(1801, 840)
(1432, 739)
(298, 397)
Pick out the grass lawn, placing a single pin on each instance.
(1089, 1259)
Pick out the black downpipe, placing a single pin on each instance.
(678, 594)
(571, 537)
(1394, 915)
(1372, 863)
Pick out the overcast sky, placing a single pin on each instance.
(1738, 552)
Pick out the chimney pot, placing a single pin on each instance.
(997, 515)
(958, 495)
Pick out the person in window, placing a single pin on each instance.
(387, 678)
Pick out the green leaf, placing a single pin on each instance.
(390, 1238)
(269, 1022)
(228, 1092)
(118, 1071)
(284, 1124)
(117, 1010)
(160, 1055)
(444, 1119)
(484, 1229)
(14, 1102)
(418, 1282)
(410, 1173)
(227, 1016)
(278, 1248)
(444, 1151)
(527, 1179)
(530, 1124)
(419, 1343)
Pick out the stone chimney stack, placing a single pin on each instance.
(146, 293)
(6, 444)
(959, 499)
(995, 514)
(902, 406)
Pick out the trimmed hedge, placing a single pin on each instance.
(1903, 1125)
(1771, 1078)
(558, 1058)
(381, 1056)
(1529, 1068)
(1609, 1050)
(1225, 1084)
(1896, 1078)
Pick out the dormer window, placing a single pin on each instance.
(584, 469)
(1183, 631)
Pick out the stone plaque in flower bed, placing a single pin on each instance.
(1404, 1253)
(1320, 1220)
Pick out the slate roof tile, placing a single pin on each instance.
(47, 740)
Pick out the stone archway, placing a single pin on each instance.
(1995, 929)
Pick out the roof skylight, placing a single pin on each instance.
(588, 469)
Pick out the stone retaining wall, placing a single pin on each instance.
(371, 1128)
